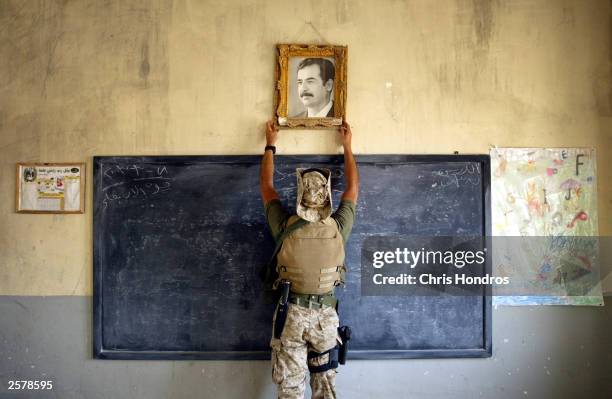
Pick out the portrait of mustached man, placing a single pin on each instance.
(315, 88)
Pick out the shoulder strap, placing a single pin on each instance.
(288, 230)
(268, 271)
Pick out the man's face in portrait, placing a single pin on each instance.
(313, 92)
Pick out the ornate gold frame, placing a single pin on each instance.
(284, 52)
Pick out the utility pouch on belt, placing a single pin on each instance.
(283, 308)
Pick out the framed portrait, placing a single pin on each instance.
(310, 86)
(50, 187)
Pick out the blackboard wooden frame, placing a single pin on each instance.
(481, 352)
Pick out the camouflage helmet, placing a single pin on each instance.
(314, 200)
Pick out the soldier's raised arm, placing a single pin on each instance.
(266, 175)
(351, 175)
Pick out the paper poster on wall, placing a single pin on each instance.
(50, 187)
(548, 194)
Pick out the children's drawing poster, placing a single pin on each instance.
(547, 193)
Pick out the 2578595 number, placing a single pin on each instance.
(29, 384)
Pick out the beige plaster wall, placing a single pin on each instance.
(87, 78)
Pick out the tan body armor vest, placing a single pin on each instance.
(312, 257)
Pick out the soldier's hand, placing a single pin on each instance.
(347, 134)
(271, 133)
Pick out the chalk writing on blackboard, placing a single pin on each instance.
(468, 174)
(123, 183)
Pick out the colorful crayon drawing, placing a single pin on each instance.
(549, 193)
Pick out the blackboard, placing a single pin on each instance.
(178, 241)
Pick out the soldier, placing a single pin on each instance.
(311, 258)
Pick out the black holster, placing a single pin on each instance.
(337, 354)
(345, 335)
(283, 308)
(332, 360)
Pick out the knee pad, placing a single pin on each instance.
(332, 360)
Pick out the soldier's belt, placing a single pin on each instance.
(313, 301)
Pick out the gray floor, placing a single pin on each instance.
(539, 352)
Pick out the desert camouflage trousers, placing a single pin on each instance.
(305, 329)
